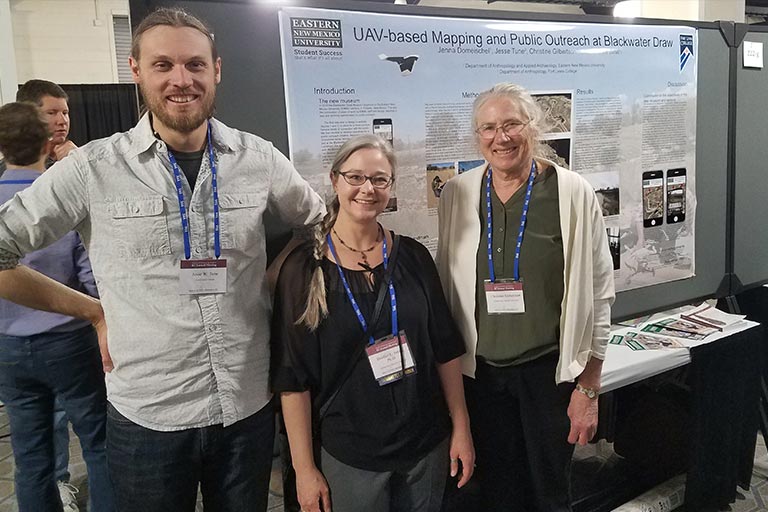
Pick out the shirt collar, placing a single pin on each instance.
(144, 138)
(20, 174)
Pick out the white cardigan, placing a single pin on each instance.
(588, 277)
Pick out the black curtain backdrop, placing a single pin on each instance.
(100, 110)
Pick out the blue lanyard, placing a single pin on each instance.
(523, 218)
(183, 208)
(355, 306)
(16, 182)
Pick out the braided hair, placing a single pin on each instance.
(317, 306)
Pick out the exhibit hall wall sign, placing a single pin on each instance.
(620, 101)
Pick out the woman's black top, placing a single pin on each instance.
(370, 427)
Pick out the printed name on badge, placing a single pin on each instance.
(199, 277)
(504, 296)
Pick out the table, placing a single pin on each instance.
(724, 375)
(623, 366)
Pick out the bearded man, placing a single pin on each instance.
(171, 213)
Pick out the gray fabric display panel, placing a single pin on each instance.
(751, 194)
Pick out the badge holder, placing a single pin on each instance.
(391, 359)
(198, 277)
(504, 296)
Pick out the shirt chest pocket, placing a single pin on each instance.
(241, 219)
(139, 227)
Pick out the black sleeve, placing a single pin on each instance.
(447, 343)
(294, 351)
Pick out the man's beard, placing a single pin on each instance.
(182, 123)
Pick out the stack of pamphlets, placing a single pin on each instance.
(654, 333)
(708, 316)
(679, 328)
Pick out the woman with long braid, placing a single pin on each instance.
(383, 382)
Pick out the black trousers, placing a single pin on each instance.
(520, 428)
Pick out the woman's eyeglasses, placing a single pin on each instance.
(510, 129)
(357, 180)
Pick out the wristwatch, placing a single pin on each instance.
(591, 393)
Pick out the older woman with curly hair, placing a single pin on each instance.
(524, 261)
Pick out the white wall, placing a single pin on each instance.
(505, 6)
(8, 80)
(713, 10)
(65, 41)
(694, 10)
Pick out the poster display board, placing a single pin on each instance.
(620, 101)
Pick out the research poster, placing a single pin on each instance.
(620, 101)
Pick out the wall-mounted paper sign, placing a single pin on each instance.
(753, 54)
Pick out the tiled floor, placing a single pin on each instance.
(754, 500)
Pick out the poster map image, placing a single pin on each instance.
(620, 101)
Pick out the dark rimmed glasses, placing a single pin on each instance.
(357, 180)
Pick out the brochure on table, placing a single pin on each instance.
(624, 364)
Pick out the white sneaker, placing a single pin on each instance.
(67, 492)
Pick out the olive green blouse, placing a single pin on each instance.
(510, 339)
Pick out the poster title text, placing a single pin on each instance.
(457, 40)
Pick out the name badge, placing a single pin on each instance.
(390, 358)
(504, 296)
(199, 277)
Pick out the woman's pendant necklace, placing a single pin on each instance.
(362, 252)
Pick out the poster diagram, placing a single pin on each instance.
(620, 101)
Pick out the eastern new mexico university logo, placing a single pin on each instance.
(316, 32)
(686, 50)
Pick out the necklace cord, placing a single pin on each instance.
(362, 252)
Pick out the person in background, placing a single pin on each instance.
(47, 358)
(52, 102)
(390, 434)
(171, 213)
(525, 264)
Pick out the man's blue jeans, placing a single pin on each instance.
(160, 471)
(60, 442)
(33, 372)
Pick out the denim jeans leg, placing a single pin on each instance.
(237, 463)
(61, 442)
(152, 471)
(29, 404)
(73, 362)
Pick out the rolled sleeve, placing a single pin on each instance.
(8, 260)
(44, 212)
